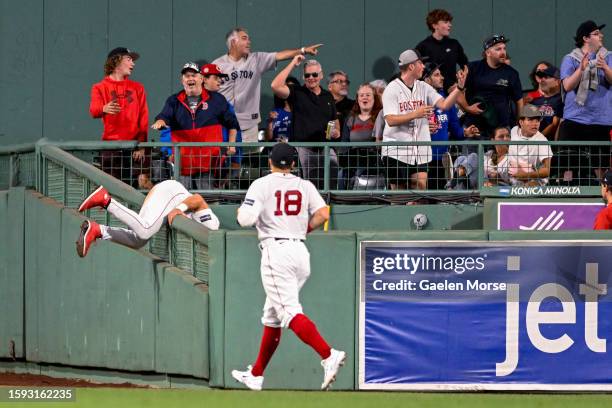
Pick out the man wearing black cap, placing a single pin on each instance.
(586, 75)
(603, 221)
(284, 208)
(493, 89)
(547, 97)
(122, 105)
(446, 124)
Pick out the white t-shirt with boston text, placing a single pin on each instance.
(398, 99)
(283, 204)
(243, 87)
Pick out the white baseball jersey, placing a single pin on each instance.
(398, 99)
(283, 204)
(162, 199)
(242, 89)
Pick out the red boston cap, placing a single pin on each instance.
(212, 69)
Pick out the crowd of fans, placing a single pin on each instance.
(438, 95)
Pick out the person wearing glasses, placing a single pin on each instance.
(313, 108)
(547, 97)
(494, 94)
(586, 75)
(338, 84)
(242, 88)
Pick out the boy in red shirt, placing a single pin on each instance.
(122, 105)
(603, 221)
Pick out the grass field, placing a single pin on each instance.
(152, 398)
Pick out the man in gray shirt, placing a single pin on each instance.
(244, 68)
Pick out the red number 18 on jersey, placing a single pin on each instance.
(292, 202)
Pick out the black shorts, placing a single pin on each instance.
(398, 172)
(599, 155)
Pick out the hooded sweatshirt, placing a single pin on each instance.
(129, 124)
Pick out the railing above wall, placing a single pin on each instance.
(17, 166)
(69, 180)
(375, 182)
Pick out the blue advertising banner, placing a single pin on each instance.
(530, 315)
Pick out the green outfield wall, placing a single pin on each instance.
(118, 308)
(127, 310)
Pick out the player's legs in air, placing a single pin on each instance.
(160, 200)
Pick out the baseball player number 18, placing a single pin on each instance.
(292, 199)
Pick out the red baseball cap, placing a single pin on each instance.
(212, 69)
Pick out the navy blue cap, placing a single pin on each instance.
(282, 154)
(429, 69)
(494, 39)
(607, 179)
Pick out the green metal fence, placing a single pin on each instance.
(17, 166)
(345, 171)
(69, 180)
(362, 171)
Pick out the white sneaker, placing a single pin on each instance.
(331, 365)
(252, 382)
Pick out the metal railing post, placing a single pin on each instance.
(480, 165)
(326, 167)
(11, 171)
(177, 161)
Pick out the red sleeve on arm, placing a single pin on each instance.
(143, 120)
(96, 103)
(603, 219)
(608, 212)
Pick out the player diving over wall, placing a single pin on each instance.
(166, 199)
